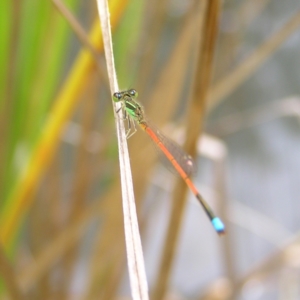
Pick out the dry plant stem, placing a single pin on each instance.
(198, 107)
(82, 36)
(107, 273)
(207, 13)
(203, 75)
(137, 274)
(227, 85)
(8, 275)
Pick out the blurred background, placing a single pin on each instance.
(219, 77)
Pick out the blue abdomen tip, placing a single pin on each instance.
(218, 225)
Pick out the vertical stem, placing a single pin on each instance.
(207, 13)
(135, 260)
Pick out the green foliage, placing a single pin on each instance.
(32, 55)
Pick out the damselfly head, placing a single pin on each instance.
(119, 96)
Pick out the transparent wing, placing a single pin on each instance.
(183, 159)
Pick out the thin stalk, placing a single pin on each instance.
(206, 19)
(135, 260)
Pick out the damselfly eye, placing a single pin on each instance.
(133, 93)
(117, 96)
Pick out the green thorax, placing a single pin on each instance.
(134, 109)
